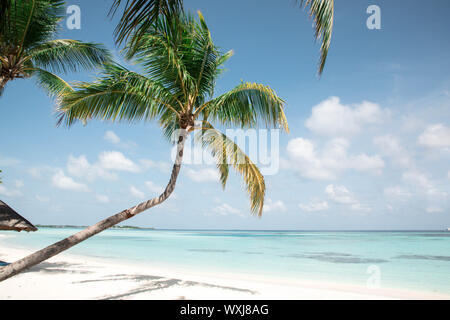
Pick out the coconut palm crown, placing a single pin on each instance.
(28, 48)
(180, 66)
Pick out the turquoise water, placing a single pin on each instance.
(418, 260)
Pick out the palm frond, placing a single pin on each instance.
(322, 12)
(118, 95)
(139, 15)
(247, 105)
(29, 22)
(68, 55)
(54, 85)
(205, 60)
(5, 7)
(226, 153)
(165, 51)
(25, 46)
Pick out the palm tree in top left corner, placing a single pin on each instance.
(28, 48)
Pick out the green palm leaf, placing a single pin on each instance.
(322, 12)
(27, 49)
(226, 153)
(30, 22)
(65, 55)
(118, 95)
(139, 15)
(177, 51)
(54, 85)
(246, 106)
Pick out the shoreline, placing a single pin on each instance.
(83, 277)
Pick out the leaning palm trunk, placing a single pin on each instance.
(58, 247)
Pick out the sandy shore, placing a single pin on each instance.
(68, 276)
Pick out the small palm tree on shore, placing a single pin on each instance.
(180, 66)
(28, 48)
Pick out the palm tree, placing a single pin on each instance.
(180, 66)
(140, 15)
(27, 47)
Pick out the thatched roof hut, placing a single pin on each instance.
(11, 220)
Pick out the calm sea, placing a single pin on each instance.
(418, 260)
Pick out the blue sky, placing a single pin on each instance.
(369, 146)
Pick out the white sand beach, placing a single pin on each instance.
(68, 276)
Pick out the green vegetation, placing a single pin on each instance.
(27, 47)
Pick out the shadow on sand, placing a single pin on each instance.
(58, 267)
(153, 283)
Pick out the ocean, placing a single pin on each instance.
(414, 260)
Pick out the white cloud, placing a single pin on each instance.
(108, 161)
(314, 206)
(417, 178)
(434, 210)
(160, 165)
(102, 198)
(114, 160)
(329, 162)
(137, 193)
(391, 147)
(360, 207)
(8, 162)
(331, 118)
(9, 193)
(304, 158)
(340, 194)
(421, 180)
(18, 183)
(61, 181)
(78, 166)
(35, 173)
(225, 209)
(435, 136)
(397, 192)
(270, 206)
(81, 168)
(153, 187)
(363, 162)
(111, 137)
(203, 175)
(42, 198)
(42, 171)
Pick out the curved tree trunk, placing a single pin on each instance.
(58, 247)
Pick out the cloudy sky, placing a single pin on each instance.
(369, 146)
